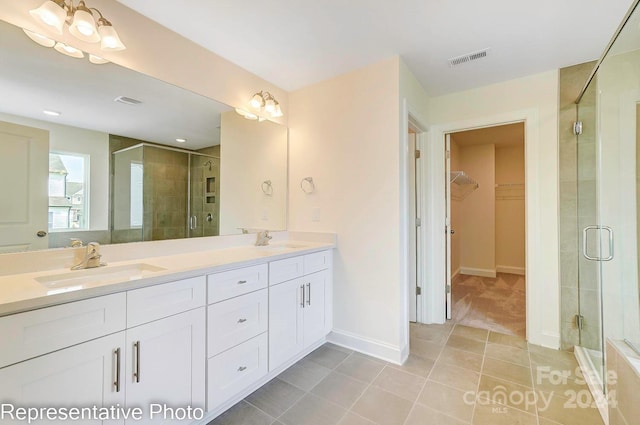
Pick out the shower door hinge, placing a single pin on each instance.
(418, 222)
(448, 289)
(579, 321)
(417, 153)
(418, 290)
(577, 128)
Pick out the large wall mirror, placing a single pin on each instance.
(97, 152)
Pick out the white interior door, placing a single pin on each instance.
(24, 170)
(412, 254)
(448, 222)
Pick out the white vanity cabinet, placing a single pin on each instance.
(160, 361)
(82, 375)
(298, 307)
(237, 323)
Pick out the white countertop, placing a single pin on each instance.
(22, 292)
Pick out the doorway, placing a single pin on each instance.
(485, 233)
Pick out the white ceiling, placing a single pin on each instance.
(36, 78)
(294, 43)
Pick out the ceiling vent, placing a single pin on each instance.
(127, 100)
(469, 57)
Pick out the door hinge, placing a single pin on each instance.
(418, 222)
(417, 153)
(448, 287)
(418, 290)
(579, 321)
(577, 128)
(448, 154)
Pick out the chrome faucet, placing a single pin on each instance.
(263, 238)
(91, 257)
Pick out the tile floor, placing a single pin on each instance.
(455, 375)
(497, 304)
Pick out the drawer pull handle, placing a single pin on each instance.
(302, 296)
(242, 282)
(308, 293)
(242, 368)
(242, 320)
(116, 382)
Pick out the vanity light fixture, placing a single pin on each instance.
(54, 14)
(97, 60)
(65, 49)
(51, 113)
(263, 101)
(39, 38)
(181, 140)
(249, 115)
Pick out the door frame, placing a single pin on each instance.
(410, 118)
(541, 308)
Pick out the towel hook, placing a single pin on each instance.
(309, 187)
(267, 187)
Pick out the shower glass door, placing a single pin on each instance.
(204, 195)
(589, 319)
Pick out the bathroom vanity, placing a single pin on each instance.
(182, 332)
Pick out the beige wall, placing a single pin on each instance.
(344, 132)
(158, 52)
(477, 216)
(243, 204)
(510, 217)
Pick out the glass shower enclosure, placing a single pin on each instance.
(608, 184)
(162, 193)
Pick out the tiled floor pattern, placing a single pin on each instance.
(496, 304)
(455, 375)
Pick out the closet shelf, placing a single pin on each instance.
(462, 179)
(461, 185)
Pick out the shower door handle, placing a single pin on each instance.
(585, 233)
(193, 222)
(610, 231)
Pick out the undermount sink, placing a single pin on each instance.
(98, 275)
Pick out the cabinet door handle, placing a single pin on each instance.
(136, 369)
(242, 320)
(309, 293)
(116, 381)
(242, 368)
(302, 298)
(242, 282)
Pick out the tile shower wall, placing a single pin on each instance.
(165, 194)
(572, 207)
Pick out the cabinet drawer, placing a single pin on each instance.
(38, 332)
(236, 320)
(155, 302)
(287, 269)
(317, 261)
(233, 370)
(236, 282)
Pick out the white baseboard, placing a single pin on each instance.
(371, 347)
(478, 272)
(512, 270)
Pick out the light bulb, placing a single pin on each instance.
(51, 14)
(256, 101)
(97, 60)
(68, 50)
(269, 106)
(110, 38)
(277, 111)
(40, 39)
(83, 26)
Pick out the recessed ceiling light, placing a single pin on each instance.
(181, 140)
(52, 113)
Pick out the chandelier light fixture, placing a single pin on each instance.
(82, 24)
